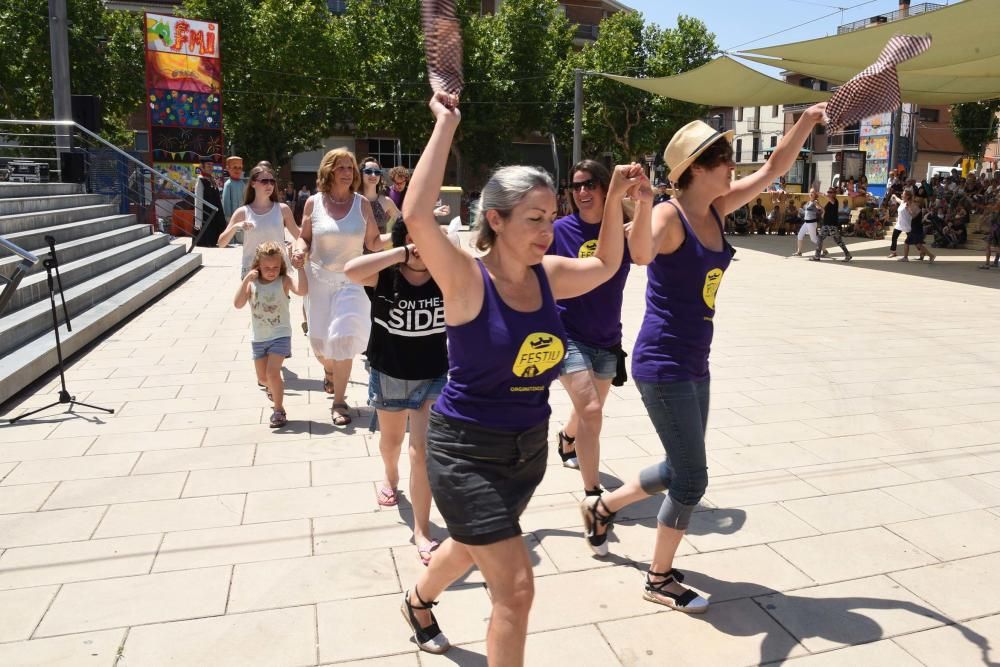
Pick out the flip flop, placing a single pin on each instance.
(426, 551)
(387, 497)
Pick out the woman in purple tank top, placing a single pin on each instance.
(687, 257)
(486, 442)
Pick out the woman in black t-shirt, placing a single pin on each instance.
(408, 355)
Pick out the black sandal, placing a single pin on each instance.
(429, 639)
(688, 601)
(596, 491)
(569, 459)
(595, 514)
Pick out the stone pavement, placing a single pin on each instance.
(853, 513)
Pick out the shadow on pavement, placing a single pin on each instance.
(832, 619)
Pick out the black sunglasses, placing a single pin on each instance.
(265, 181)
(590, 185)
(371, 171)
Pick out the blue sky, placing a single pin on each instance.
(736, 22)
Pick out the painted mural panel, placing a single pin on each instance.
(178, 108)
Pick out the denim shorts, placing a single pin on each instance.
(483, 478)
(580, 357)
(394, 395)
(280, 346)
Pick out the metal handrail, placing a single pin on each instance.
(126, 156)
(28, 260)
(18, 250)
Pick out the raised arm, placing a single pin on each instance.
(243, 293)
(570, 277)
(364, 270)
(297, 282)
(238, 221)
(453, 270)
(785, 153)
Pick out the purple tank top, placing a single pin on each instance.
(676, 333)
(502, 363)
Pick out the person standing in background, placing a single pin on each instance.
(399, 176)
(206, 220)
(234, 188)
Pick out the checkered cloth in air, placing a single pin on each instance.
(876, 89)
(443, 45)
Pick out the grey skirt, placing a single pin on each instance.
(482, 479)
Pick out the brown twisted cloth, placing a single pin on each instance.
(443, 45)
(876, 89)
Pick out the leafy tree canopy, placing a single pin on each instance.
(975, 125)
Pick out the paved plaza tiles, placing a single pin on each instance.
(852, 517)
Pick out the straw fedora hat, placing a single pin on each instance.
(688, 143)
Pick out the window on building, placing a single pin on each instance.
(756, 149)
(774, 111)
(739, 149)
(739, 114)
(336, 6)
(389, 153)
(930, 115)
(774, 140)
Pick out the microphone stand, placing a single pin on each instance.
(51, 264)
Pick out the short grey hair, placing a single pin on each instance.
(506, 188)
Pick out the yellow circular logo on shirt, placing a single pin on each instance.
(539, 352)
(712, 280)
(588, 249)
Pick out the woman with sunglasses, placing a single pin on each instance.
(337, 226)
(486, 440)
(593, 326)
(373, 189)
(262, 217)
(687, 257)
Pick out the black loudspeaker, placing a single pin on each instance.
(87, 112)
(74, 169)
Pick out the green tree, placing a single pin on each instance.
(281, 74)
(106, 60)
(626, 121)
(518, 66)
(975, 125)
(384, 70)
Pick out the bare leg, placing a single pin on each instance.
(451, 561)
(391, 429)
(274, 380)
(588, 394)
(420, 489)
(667, 541)
(506, 566)
(260, 367)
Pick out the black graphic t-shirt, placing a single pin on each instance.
(408, 339)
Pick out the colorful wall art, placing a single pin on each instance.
(179, 108)
(183, 100)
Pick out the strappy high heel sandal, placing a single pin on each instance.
(689, 602)
(568, 458)
(429, 639)
(596, 513)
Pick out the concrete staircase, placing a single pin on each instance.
(110, 266)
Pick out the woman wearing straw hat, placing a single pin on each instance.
(687, 259)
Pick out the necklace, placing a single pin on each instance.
(337, 201)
